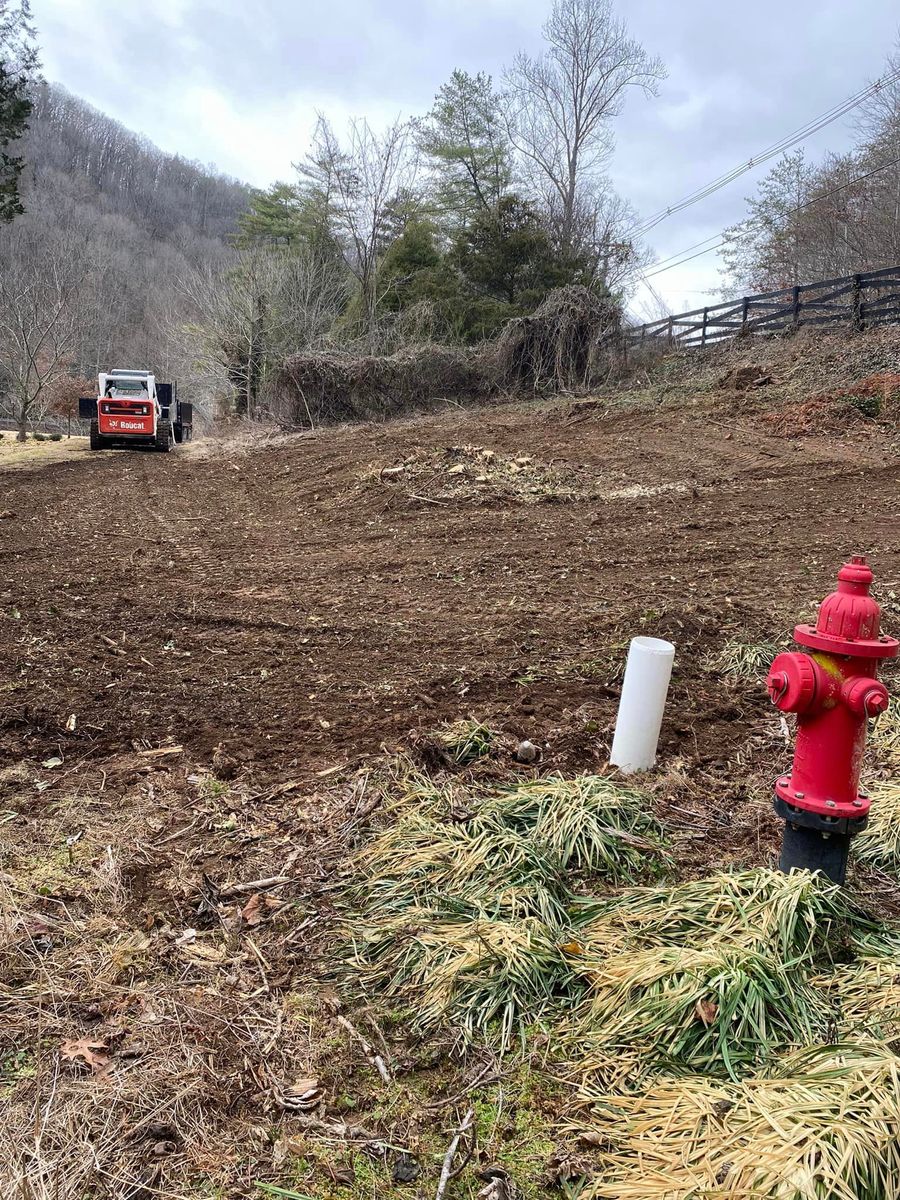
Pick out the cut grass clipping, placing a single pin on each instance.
(879, 842)
(885, 736)
(865, 998)
(468, 895)
(821, 1123)
(711, 975)
(464, 742)
(743, 660)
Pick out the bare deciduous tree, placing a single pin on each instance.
(561, 103)
(63, 394)
(363, 180)
(265, 304)
(40, 317)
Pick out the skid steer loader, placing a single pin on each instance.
(132, 410)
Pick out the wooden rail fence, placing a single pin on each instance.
(863, 300)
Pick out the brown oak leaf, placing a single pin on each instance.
(88, 1052)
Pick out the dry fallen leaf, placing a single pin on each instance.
(252, 912)
(302, 1095)
(88, 1052)
(707, 1011)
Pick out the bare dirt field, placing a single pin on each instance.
(205, 654)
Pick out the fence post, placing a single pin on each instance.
(745, 308)
(795, 304)
(703, 330)
(856, 304)
(669, 333)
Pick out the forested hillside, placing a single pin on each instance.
(440, 227)
(112, 226)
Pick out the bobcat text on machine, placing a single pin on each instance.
(131, 410)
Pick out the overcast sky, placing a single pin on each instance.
(237, 83)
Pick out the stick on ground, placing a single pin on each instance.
(447, 1168)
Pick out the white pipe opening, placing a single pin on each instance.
(643, 701)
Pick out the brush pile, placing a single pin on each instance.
(476, 475)
(571, 343)
(331, 387)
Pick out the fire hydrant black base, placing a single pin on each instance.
(814, 843)
(805, 850)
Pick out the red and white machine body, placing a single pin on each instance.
(128, 405)
(133, 410)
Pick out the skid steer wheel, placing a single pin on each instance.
(164, 436)
(96, 440)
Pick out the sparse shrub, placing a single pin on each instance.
(39, 437)
(55, 437)
(868, 403)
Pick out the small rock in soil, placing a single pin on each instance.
(527, 752)
(406, 1169)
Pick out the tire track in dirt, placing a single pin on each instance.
(310, 620)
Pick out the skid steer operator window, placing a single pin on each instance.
(135, 389)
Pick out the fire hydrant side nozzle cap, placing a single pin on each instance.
(849, 619)
(793, 682)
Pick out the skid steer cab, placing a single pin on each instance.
(133, 411)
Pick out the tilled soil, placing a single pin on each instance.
(268, 606)
(201, 652)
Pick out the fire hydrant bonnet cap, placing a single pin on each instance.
(849, 619)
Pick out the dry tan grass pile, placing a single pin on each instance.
(879, 842)
(823, 1123)
(711, 975)
(467, 897)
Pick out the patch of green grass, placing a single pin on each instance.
(16, 1066)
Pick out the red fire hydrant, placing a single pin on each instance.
(833, 690)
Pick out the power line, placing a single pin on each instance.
(785, 143)
(678, 253)
(808, 204)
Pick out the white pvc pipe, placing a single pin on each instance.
(642, 704)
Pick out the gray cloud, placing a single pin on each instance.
(239, 83)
